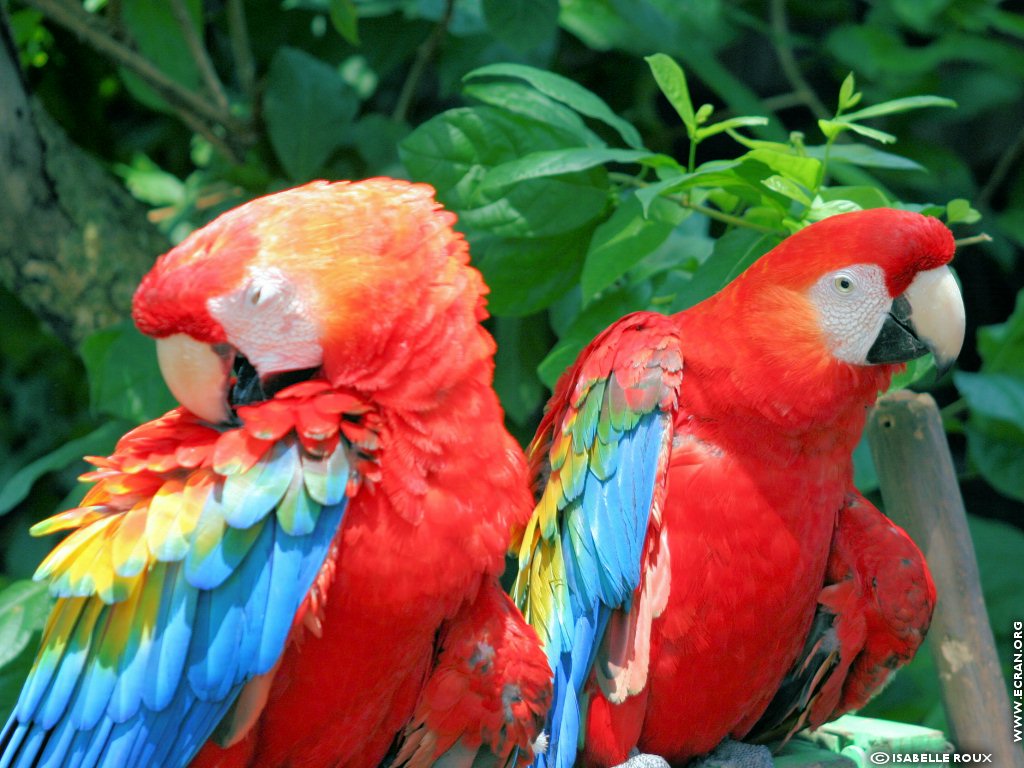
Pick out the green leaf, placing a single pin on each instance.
(847, 95)
(23, 609)
(124, 378)
(523, 24)
(997, 396)
(99, 441)
(565, 91)
(455, 150)
(830, 128)
(672, 81)
(150, 183)
(522, 344)
(525, 276)
(734, 252)
(999, 546)
(863, 197)
(624, 240)
(863, 130)
(898, 105)
(308, 109)
(345, 18)
(1002, 346)
(524, 100)
(710, 174)
(863, 156)
(729, 125)
(680, 255)
(159, 37)
(591, 321)
(959, 211)
(802, 170)
(921, 369)
(821, 209)
(789, 188)
(556, 162)
(376, 137)
(997, 449)
(995, 429)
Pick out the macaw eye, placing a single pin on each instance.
(261, 291)
(843, 284)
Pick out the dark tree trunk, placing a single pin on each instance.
(73, 242)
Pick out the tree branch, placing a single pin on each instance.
(241, 49)
(96, 32)
(783, 43)
(423, 56)
(1002, 168)
(199, 54)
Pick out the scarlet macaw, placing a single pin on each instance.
(303, 556)
(691, 470)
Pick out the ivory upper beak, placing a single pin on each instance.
(198, 375)
(938, 314)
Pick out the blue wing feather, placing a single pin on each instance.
(192, 632)
(607, 446)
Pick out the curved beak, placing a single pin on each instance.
(928, 317)
(197, 374)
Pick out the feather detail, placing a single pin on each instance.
(487, 693)
(182, 578)
(873, 614)
(588, 556)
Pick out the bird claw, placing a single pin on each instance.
(643, 760)
(736, 754)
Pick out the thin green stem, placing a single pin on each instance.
(1002, 169)
(626, 180)
(783, 44)
(692, 162)
(824, 166)
(984, 237)
(725, 218)
(954, 409)
(424, 54)
(685, 202)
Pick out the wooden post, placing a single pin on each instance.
(920, 491)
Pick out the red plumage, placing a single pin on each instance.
(377, 270)
(872, 616)
(778, 371)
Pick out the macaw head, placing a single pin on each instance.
(354, 282)
(868, 288)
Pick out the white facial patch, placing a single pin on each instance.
(852, 305)
(267, 322)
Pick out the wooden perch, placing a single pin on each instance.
(920, 491)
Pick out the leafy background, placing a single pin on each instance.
(587, 172)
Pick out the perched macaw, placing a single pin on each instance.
(301, 560)
(690, 472)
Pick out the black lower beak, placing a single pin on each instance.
(897, 342)
(249, 388)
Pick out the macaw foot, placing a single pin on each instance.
(736, 754)
(639, 759)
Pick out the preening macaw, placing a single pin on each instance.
(690, 473)
(302, 559)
